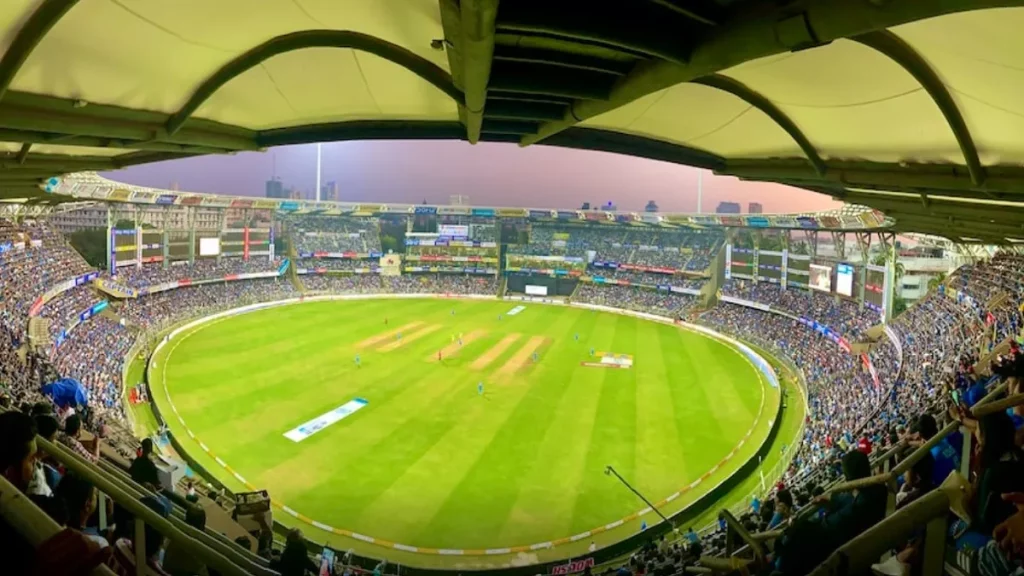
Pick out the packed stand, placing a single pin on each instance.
(157, 311)
(338, 264)
(335, 234)
(203, 269)
(650, 278)
(36, 257)
(459, 284)
(846, 317)
(65, 309)
(841, 394)
(350, 284)
(658, 302)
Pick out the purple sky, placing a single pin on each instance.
(490, 174)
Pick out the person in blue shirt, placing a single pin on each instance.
(783, 509)
(975, 392)
(945, 455)
(755, 505)
(691, 536)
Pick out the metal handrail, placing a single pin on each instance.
(994, 406)
(123, 496)
(32, 523)
(857, 555)
(228, 549)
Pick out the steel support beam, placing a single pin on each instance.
(477, 51)
(524, 110)
(46, 119)
(755, 99)
(893, 47)
(933, 179)
(708, 13)
(416, 64)
(563, 59)
(31, 34)
(550, 80)
(757, 33)
(642, 30)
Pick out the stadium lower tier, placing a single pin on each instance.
(464, 433)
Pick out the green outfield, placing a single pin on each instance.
(428, 461)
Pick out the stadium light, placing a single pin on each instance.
(609, 471)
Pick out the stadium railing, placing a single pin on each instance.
(928, 513)
(226, 559)
(32, 523)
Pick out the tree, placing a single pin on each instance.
(91, 243)
(586, 206)
(389, 244)
(935, 281)
(801, 248)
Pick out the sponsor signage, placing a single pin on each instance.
(317, 424)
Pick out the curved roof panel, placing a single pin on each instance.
(865, 101)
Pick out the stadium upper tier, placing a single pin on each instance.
(908, 107)
(90, 186)
(89, 335)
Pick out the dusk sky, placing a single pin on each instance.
(490, 174)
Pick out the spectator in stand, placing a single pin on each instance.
(80, 499)
(177, 560)
(812, 538)
(70, 438)
(143, 470)
(295, 560)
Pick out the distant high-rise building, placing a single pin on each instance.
(275, 189)
(652, 206)
(329, 192)
(755, 208)
(458, 200)
(293, 194)
(609, 206)
(728, 208)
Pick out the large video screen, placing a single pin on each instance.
(821, 278)
(844, 279)
(209, 246)
(453, 231)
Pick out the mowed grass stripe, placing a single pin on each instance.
(498, 474)
(735, 389)
(599, 498)
(548, 483)
(661, 462)
(429, 462)
(418, 493)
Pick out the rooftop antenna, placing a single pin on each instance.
(700, 189)
(318, 152)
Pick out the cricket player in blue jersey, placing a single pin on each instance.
(357, 361)
(577, 336)
(480, 388)
(535, 357)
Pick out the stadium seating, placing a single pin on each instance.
(863, 429)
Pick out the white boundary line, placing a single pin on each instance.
(201, 323)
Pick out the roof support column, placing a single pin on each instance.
(477, 53)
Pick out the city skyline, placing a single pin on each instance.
(489, 173)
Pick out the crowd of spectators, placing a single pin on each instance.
(156, 311)
(650, 278)
(338, 264)
(659, 302)
(335, 234)
(33, 257)
(845, 316)
(675, 249)
(65, 308)
(202, 269)
(425, 283)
